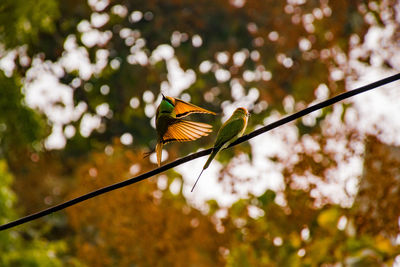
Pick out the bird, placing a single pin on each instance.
(233, 128)
(171, 127)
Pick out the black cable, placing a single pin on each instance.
(200, 154)
(315, 107)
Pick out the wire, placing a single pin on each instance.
(193, 156)
(315, 107)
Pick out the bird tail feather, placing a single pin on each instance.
(197, 180)
(210, 158)
(159, 147)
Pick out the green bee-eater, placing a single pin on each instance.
(232, 129)
(172, 128)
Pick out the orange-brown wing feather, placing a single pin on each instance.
(183, 131)
(183, 109)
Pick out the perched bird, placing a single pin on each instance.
(232, 129)
(172, 128)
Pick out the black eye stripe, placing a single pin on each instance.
(169, 101)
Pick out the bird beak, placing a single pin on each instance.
(163, 96)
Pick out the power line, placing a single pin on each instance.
(200, 154)
(315, 107)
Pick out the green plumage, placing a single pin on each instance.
(232, 129)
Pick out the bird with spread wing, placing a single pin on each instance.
(172, 128)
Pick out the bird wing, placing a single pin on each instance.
(183, 109)
(182, 131)
(230, 130)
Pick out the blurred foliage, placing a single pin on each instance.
(151, 224)
(23, 22)
(257, 48)
(19, 125)
(111, 60)
(138, 225)
(313, 236)
(377, 210)
(25, 248)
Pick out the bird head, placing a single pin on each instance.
(242, 111)
(167, 104)
(169, 99)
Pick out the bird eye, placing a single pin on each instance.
(169, 101)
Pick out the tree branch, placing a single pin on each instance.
(200, 154)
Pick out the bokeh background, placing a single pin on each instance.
(79, 85)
